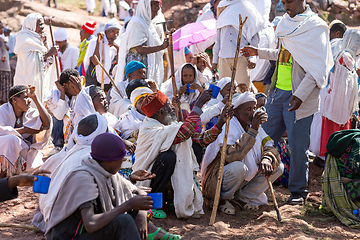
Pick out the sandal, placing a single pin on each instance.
(167, 236)
(245, 206)
(227, 208)
(159, 214)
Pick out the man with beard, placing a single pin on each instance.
(250, 151)
(108, 57)
(164, 148)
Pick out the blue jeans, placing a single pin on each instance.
(298, 131)
(57, 133)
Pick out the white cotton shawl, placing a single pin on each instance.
(30, 50)
(90, 5)
(315, 56)
(141, 29)
(155, 138)
(130, 122)
(341, 100)
(95, 182)
(251, 160)
(229, 10)
(69, 57)
(83, 106)
(64, 162)
(30, 119)
(167, 88)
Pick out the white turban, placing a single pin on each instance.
(30, 21)
(138, 93)
(224, 81)
(60, 35)
(243, 98)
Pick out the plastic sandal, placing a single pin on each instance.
(152, 235)
(227, 208)
(167, 236)
(245, 206)
(159, 214)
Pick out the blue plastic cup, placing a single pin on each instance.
(41, 185)
(215, 90)
(157, 200)
(188, 88)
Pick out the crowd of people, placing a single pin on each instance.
(121, 129)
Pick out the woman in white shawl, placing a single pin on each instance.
(341, 100)
(187, 74)
(142, 43)
(23, 130)
(34, 65)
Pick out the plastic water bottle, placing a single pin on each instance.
(357, 213)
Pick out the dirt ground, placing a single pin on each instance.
(299, 222)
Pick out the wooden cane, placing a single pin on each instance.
(14, 225)
(224, 146)
(274, 199)
(108, 75)
(53, 43)
(172, 69)
(102, 61)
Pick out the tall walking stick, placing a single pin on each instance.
(53, 43)
(224, 146)
(102, 61)
(108, 75)
(274, 200)
(172, 69)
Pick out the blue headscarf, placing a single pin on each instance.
(133, 66)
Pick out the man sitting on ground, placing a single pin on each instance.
(249, 152)
(164, 148)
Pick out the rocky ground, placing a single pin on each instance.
(299, 222)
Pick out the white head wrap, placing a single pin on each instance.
(351, 42)
(60, 35)
(224, 81)
(30, 21)
(112, 23)
(243, 98)
(139, 92)
(101, 128)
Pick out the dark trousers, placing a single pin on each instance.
(49, 1)
(163, 167)
(57, 133)
(122, 227)
(198, 151)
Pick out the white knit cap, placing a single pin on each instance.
(138, 93)
(224, 81)
(112, 23)
(60, 35)
(243, 98)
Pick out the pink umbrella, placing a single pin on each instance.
(193, 33)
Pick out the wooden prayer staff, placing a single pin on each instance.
(107, 74)
(224, 146)
(102, 61)
(53, 43)
(172, 69)
(274, 199)
(14, 225)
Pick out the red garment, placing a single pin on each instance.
(328, 127)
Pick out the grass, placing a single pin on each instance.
(80, 4)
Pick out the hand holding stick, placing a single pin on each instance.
(224, 146)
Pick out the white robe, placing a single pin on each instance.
(13, 145)
(90, 5)
(141, 29)
(69, 57)
(130, 122)
(119, 104)
(155, 138)
(30, 67)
